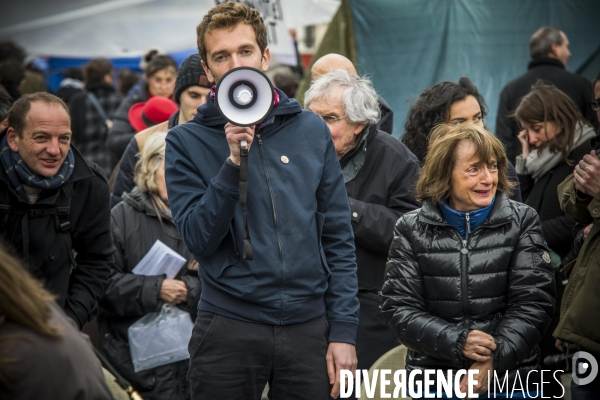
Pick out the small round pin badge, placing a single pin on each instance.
(546, 257)
(285, 160)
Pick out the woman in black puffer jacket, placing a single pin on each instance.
(142, 218)
(468, 279)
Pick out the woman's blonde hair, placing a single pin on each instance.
(149, 162)
(435, 180)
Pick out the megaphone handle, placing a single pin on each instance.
(247, 251)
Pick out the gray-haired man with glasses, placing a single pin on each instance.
(379, 174)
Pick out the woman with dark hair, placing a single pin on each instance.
(42, 354)
(159, 77)
(468, 283)
(451, 103)
(554, 137)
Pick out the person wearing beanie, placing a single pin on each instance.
(191, 91)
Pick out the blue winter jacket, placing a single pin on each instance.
(298, 219)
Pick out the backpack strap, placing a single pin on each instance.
(60, 211)
(62, 224)
(96, 103)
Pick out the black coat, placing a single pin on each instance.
(557, 226)
(437, 288)
(128, 297)
(380, 193)
(386, 122)
(548, 69)
(78, 290)
(121, 132)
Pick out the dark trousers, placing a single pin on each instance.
(233, 359)
(373, 337)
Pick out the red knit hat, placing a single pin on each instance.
(153, 112)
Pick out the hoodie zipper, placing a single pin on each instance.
(463, 272)
(262, 156)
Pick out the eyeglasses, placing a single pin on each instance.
(330, 119)
(595, 104)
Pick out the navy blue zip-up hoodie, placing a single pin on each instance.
(298, 219)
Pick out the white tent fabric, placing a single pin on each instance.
(127, 28)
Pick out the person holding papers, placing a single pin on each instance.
(142, 224)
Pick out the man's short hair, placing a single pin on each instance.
(228, 15)
(360, 101)
(96, 70)
(542, 40)
(18, 112)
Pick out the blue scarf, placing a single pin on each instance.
(458, 218)
(18, 173)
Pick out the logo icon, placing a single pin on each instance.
(585, 368)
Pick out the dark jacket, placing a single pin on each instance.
(51, 369)
(121, 132)
(579, 321)
(128, 297)
(438, 287)
(49, 257)
(68, 91)
(298, 219)
(380, 175)
(386, 122)
(89, 128)
(124, 181)
(557, 226)
(548, 69)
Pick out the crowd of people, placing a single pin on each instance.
(321, 246)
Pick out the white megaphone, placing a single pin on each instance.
(244, 96)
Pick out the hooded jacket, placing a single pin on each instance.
(498, 280)
(386, 122)
(298, 219)
(128, 297)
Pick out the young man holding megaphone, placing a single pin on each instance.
(286, 312)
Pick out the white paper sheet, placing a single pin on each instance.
(160, 259)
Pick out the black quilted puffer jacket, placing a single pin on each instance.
(439, 287)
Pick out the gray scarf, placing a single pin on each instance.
(538, 163)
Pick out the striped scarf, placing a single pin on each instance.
(19, 174)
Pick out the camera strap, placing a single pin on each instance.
(247, 253)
